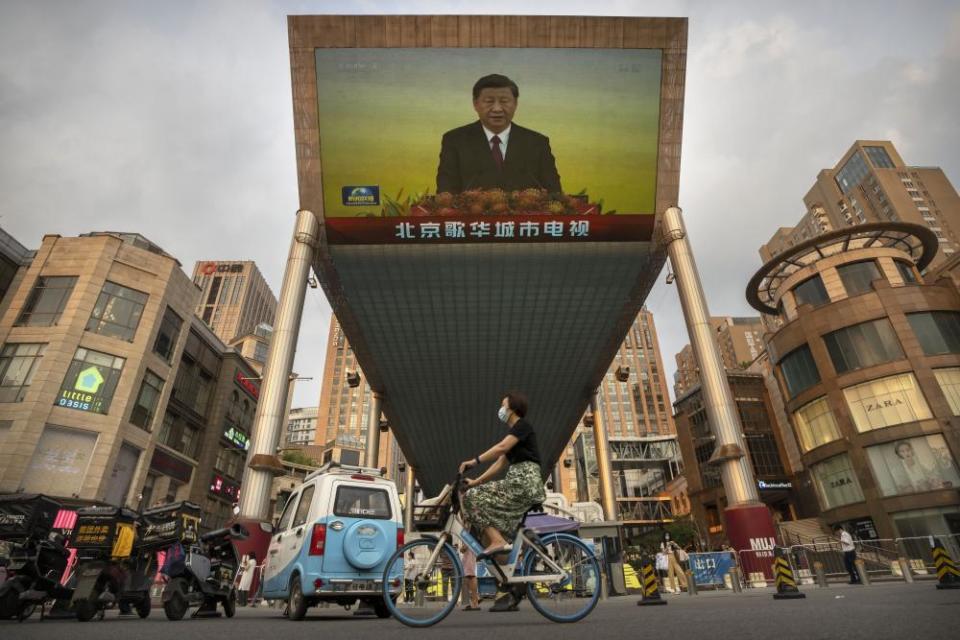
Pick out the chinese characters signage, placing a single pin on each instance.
(237, 438)
(475, 229)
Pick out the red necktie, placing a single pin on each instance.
(495, 149)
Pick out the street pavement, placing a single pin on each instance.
(838, 612)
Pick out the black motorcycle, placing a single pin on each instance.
(203, 575)
(113, 569)
(37, 556)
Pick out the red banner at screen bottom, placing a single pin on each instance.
(473, 229)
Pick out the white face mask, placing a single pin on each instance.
(502, 414)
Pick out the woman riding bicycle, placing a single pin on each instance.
(496, 508)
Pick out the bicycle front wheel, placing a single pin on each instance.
(574, 597)
(419, 595)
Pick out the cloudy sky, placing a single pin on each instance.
(173, 119)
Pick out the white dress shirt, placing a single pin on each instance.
(504, 138)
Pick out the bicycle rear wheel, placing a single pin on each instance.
(419, 596)
(573, 598)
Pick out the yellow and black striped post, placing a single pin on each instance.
(948, 576)
(783, 577)
(648, 582)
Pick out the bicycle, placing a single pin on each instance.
(422, 580)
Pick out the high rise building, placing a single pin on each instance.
(344, 410)
(740, 341)
(872, 183)
(92, 337)
(14, 259)
(867, 357)
(633, 405)
(301, 427)
(234, 299)
(765, 450)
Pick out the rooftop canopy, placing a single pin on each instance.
(916, 242)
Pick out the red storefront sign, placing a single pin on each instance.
(247, 384)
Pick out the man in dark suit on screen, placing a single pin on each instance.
(493, 152)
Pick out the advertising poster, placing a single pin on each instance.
(486, 145)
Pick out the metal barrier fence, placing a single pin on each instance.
(881, 559)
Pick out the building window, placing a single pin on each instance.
(886, 402)
(815, 424)
(146, 403)
(811, 291)
(17, 365)
(91, 381)
(937, 331)
(836, 482)
(913, 465)
(179, 435)
(764, 454)
(117, 312)
(167, 335)
(878, 156)
(260, 351)
(863, 345)
(46, 301)
(853, 171)
(906, 272)
(949, 381)
(799, 370)
(858, 277)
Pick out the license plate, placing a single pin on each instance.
(362, 585)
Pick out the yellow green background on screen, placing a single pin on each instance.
(382, 113)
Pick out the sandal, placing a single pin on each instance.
(470, 608)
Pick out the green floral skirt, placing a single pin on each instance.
(502, 503)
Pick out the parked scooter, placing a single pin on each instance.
(203, 575)
(36, 558)
(112, 568)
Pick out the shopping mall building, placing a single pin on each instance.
(866, 348)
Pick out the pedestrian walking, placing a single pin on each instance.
(410, 570)
(661, 565)
(674, 567)
(849, 554)
(471, 590)
(248, 567)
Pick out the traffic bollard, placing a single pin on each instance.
(691, 583)
(948, 577)
(648, 583)
(821, 574)
(783, 575)
(862, 572)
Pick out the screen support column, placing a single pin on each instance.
(748, 521)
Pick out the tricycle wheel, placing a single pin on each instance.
(9, 602)
(26, 610)
(86, 608)
(230, 604)
(175, 602)
(143, 605)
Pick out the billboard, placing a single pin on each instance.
(406, 133)
(400, 125)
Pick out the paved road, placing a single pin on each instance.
(895, 611)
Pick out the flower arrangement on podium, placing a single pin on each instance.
(495, 202)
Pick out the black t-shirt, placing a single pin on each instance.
(526, 449)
